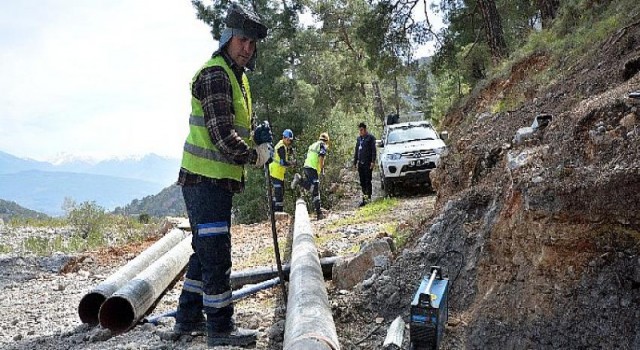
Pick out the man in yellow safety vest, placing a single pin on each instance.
(282, 159)
(215, 152)
(313, 167)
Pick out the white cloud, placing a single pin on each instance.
(98, 78)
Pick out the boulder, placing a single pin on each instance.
(628, 121)
(348, 272)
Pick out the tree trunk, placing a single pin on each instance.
(363, 91)
(548, 10)
(378, 99)
(493, 29)
(396, 93)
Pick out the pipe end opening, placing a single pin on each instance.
(117, 314)
(90, 307)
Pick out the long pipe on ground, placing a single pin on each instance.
(89, 306)
(259, 274)
(309, 324)
(236, 295)
(127, 305)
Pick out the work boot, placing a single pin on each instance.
(236, 337)
(319, 216)
(190, 328)
(365, 200)
(296, 180)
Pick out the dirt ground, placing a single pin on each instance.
(38, 302)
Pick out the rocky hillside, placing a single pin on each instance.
(10, 209)
(167, 202)
(549, 226)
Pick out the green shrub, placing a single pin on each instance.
(144, 218)
(94, 229)
(37, 245)
(46, 221)
(88, 218)
(251, 205)
(4, 248)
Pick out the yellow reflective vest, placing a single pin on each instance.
(275, 169)
(200, 156)
(313, 159)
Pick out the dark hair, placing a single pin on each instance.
(362, 125)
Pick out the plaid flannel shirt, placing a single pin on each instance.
(213, 89)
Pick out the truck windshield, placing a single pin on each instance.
(411, 133)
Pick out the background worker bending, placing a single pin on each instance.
(313, 167)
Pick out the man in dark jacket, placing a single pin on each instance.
(364, 157)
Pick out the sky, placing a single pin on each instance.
(99, 79)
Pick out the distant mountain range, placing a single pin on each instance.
(42, 186)
(151, 167)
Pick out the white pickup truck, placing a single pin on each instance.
(409, 152)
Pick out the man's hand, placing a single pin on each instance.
(372, 165)
(265, 154)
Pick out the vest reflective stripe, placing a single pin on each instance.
(196, 121)
(204, 153)
(199, 121)
(200, 155)
(275, 169)
(313, 160)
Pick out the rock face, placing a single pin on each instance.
(349, 272)
(549, 228)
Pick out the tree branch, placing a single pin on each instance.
(429, 26)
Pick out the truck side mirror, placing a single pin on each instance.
(379, 143)
(444, 135)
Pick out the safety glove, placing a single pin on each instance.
(263, 138)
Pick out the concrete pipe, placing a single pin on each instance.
(122, 310)
(90, 304)
(309, 324)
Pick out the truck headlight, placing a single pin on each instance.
(393, 156)
(439, 150)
